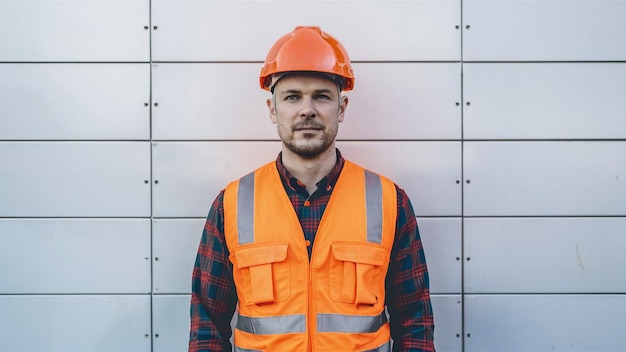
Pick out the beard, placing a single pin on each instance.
(309, 150)
(309, 146)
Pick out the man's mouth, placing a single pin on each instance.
(308, 128)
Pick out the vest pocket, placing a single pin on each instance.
(262, 272)
(357, 272)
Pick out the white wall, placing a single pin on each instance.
(503, 120)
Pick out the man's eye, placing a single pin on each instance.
(323, 97)
(291, 97)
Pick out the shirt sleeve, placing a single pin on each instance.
(407, 287)
(213, 295)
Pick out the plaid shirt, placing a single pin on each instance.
(214, 298)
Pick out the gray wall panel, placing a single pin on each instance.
(218, 101)
(212, 30)
(544, 100)
(447, 310)
(174, 246)
(170, 321)
(545, 255)
(441, 238)
(65, 30)
(75, 323)
(427, 108)
(74, 256)
(74, 101)
(580, 323)
(549, 30)
(45, 179)
(544, 178)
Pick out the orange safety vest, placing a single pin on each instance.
(336, 300)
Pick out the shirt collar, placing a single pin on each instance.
(327, 183)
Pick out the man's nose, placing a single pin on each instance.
(307, 109)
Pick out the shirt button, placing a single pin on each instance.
(328, 187)
(308, 243)
(307, 203)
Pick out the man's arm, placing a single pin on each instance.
(407, 286)
(213, 295)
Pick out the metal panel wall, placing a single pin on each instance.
(442, 241)
(583, 323)
(545, 255)
(174, 246)
(413, 30)
(74, 101)
(549, 30)
(66, 30)
(74, 256)
(544, 178)
(47, 179)
(190, 102)
(72, 72)
(75, 323)
(428, 108)
(543, 165)
(544, 100)
(170, 318)
(447, 310)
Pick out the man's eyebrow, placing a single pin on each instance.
(291, 91)
(297, 91)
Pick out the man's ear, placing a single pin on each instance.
(343, 104)
(272, 109)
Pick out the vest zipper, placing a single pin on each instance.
(308, 310)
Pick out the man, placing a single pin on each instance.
(311, 248)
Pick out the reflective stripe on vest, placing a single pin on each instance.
(386, 347)
(284, 324)
(325, 323)
(245, 209)
(358, 324)
(239, 349)
(374, 203)
(373, 200)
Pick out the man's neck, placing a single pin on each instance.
(310, 171)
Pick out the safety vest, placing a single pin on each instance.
(336, 300)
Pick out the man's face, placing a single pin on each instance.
(307, 111)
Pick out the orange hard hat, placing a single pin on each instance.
(308, 49)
